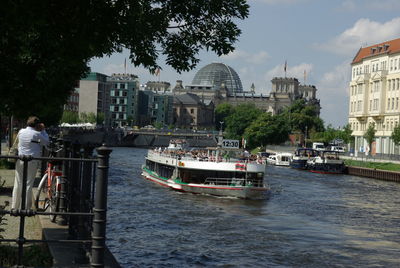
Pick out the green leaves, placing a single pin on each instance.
(240, 118)
(267, 129)
(45, 46)
(396, 135)
(302, 116)
(369, 134)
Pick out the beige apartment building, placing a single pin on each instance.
(374, 95)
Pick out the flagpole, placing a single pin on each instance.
(285, 67)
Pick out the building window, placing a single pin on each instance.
(115, 108)
(191, 111)
(397, 103)
(124, 93)
(392, 103)
(388, 104)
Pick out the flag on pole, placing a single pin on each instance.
(285, 67)
(157, 72)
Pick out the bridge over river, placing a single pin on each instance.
(161, 138)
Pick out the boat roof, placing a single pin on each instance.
(283, 153)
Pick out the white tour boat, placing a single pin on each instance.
(279, 159)
(214, 171)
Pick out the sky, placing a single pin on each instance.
(316, 37)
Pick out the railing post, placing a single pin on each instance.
(63, 184)
(87, 180)
(21, 238)
(74, 190)
(100, 207)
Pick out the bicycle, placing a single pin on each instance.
(50, 184)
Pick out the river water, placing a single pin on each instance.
(309, 220)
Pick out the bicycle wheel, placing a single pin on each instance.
(42, 191)
(55, 197)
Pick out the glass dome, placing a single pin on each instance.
(215, 74)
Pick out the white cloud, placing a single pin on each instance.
(333, 93)
(338, 78)
(255, 58)
(296, 71)
(363, 33)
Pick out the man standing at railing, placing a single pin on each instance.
(31, 140)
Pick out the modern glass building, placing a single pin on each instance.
(123, 103)
(214, 75)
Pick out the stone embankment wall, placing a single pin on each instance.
(374, 173)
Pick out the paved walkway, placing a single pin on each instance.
(40, 227)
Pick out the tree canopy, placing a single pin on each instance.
(302, 116)
(222, 111)
(369, 134)
(267, 129)
(240, 118)
(396, 135)
(46, 45)
(331, 134)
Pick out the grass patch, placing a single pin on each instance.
(4, 164)
(375, 165)
(34, 256)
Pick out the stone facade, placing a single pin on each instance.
(374, 92)
(190, 111)
(283, 93)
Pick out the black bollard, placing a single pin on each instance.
(100, 207)
(61, 219)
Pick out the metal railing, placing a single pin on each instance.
(83, 200)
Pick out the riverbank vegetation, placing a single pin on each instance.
(34, 256)
(374, 165)
(257, 128)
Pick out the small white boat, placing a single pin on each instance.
(279, 159)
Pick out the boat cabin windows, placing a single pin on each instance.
(200, 176)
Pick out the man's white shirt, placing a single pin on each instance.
(31, 141)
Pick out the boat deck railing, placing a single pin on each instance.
(233, 182)
(206, 158)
